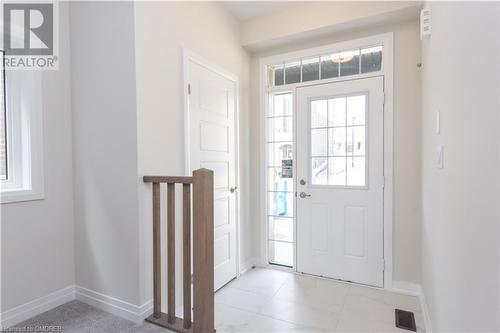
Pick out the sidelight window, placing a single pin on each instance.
(280, 176)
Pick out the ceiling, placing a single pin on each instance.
(249, 10)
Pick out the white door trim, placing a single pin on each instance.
(387, 41)
(188, 56)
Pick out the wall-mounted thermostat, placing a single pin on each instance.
(425, 23)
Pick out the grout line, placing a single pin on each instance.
(263, 315)
(349, 287)
(282, 285)
(238, 308)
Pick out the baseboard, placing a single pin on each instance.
(425, 311)
(113, 305)
(407, 288)
(248, 264)
(33, 308)
(415, 289)
(106, 303)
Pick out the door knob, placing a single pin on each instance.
(304, 195)
(233, 189)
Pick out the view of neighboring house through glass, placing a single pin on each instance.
(280, 179)
(338, 144)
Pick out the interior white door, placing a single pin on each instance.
(212, 107)
(340, 175)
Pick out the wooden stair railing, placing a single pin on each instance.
(203, 252)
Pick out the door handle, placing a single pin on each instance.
(233, 189)
(304, 195)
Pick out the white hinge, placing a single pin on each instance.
(383, 181)
(383, 98)
(189, 88)
(383, 264)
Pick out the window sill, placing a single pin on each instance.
(20, 195)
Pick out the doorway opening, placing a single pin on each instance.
(211, 101)
(332, 159)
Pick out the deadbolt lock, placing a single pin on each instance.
(302, 182)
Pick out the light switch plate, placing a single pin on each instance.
(425, 23)
(438, 122)
(440, 157)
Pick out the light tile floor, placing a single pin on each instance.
(267, 300)
(264, 300)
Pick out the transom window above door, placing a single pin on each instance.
(338, 141)
(351, 62)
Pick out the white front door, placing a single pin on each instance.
(212, 111)
(340, 178)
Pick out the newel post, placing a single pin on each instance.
(203, 250)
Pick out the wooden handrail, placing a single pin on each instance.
(202, 183)
(168, 179)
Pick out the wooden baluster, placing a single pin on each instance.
(186, 232)
(171, 252)
(203, 248)
(156, 252)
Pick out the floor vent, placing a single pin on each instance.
(405, 320)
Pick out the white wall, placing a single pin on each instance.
(37, 236)
(128, 121)
(162, 30)
(303, 22)
(94, 123)
(407, 157)
(105, 148)
(460, 270)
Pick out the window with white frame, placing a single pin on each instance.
(326, 66)
(3, 115)
(21, 175)
(337, 138)
(279, 122)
